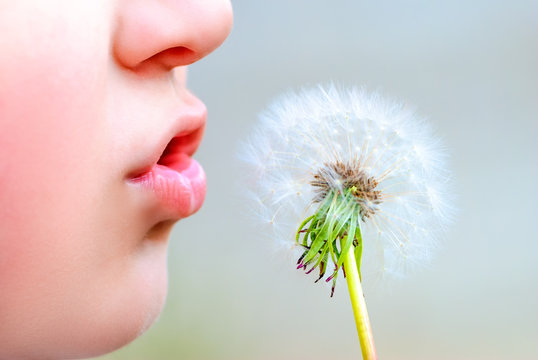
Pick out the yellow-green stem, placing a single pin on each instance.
(358, 303)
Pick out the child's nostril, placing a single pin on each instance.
(173, 57)
(168, 59)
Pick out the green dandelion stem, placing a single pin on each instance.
(358, 303)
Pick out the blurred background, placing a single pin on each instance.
(471, 68)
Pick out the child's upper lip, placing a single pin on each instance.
(186, 131)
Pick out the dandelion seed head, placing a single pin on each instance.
(373, 154)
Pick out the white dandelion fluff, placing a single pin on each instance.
(333, 170)
(337, 175)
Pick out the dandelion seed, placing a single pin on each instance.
(368, 178)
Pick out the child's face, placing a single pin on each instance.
(89, 100)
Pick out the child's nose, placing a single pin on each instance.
(169, 33)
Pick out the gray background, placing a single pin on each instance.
(471, 68)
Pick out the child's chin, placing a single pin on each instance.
(139, 307)
(85, 308)
(133, 307)
(128, 325)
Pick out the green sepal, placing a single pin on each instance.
(347, 241)
(358, 252)
(317, 244)
(298, 235)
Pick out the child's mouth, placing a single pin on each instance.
(177, 180)
(174, 155)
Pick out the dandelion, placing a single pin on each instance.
(342, 174)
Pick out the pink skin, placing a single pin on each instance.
(91, 93)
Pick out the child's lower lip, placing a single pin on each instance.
(179, 186)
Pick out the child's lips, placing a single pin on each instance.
(177, 181)
(179, 186)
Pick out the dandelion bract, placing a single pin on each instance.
(333, 170)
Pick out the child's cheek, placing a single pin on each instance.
(51, 112)
(49, 138)
(57, 259)
(51, 96)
